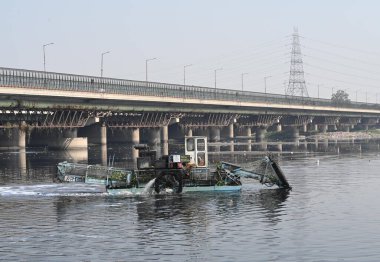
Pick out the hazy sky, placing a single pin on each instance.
(340, 41)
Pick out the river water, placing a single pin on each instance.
(332, 213)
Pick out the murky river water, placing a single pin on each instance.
(332, 213)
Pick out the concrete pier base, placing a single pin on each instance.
(278, 127)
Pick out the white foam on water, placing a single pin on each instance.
(51, 190)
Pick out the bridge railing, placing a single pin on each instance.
(58, 81)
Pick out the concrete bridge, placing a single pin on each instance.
(68, 111)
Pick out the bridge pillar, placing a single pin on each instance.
(315, 127)
(325, 128)
(13, 137)
(164, 134)
(231, 131)
(304, 128)
(246, 131)
(165, 140)
(96, 134)
(295, 132)
(189, 132)
(260, 134)
(135, 135)
(278, 127)
(214, 134)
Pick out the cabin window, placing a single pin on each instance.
(190, 144)
(201, 159)
(201, 145)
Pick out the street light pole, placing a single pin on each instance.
(218, 69)
(43, 47)
(146, 67)
(356, 92)
(184, 73)
(265, 83)
(101, 63)
(242, 80)
(318, 91)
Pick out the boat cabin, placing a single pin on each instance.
(196, 148)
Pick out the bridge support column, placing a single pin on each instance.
(189, 132)
(260, 134)
(164, 134)
(13, 137)
(214, 134)
(247, 132)
(96, 134)
(231, 132)
(165, 140)
(135, 135)
(278, 127)
(295, 132)
(315, 127)
(325, 128)
(304, 128)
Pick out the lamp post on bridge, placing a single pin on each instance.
(43, 47)
(242, 80)
(218, 69)
(265, 83)
(101, 63)
(184, 73)
(146, 67)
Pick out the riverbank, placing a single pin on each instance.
(370, 134)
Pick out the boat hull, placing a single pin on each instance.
(186, 189)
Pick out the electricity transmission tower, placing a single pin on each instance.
(297, 84)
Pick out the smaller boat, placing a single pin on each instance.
(173, 173)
